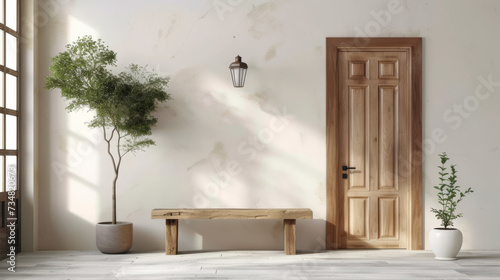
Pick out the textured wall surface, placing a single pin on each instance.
(262, 145)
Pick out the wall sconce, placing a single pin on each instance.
(238, 72)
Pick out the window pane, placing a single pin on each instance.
(1, 88)
(12, 14)
(1, 130)
(11, 132)
(11, 173)
(11, 54)
(1, 11)
(11, 98)
(1, 46)
(1, 174)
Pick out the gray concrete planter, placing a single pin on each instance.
(114, 239)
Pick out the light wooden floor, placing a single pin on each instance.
(352, 264)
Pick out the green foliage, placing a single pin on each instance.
(449, 194)
(81, 72)
(122, 103)
(126, 104)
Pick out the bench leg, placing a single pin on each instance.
(171, 236)
(289, 232)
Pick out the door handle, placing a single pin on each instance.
(345, 167)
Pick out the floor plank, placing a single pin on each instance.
(343, 264)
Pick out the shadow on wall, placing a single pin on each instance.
(236, 147)
(215, 235)
(68, 196)
(70, 188)
(247, 162)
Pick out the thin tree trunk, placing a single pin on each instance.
(117, 172)
(114, 197)
(115, 168)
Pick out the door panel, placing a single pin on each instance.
(374, 125)
(387, 137)
(357, 135)
(388, 217)
(357, 218)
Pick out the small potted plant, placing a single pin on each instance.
(446, 241)
(122, 105)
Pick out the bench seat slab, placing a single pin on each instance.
(228, 214)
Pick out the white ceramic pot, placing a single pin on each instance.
(445, 243)
(114, 238)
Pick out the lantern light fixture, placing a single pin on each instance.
(238, 72)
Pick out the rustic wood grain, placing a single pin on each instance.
(172, 217)
(171, 236)
(289, 231)
(332, 152)
(228, 214)
(377, 118)
(415, 230)
(407, 159)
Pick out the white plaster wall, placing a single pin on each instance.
(209, 125)
(28, 129)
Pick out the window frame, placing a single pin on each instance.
(4, 152)
(6, 197)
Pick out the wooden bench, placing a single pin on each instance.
(172, 217)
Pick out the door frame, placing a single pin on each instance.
(413, 45)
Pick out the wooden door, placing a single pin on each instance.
(374, 127)
(374, 143)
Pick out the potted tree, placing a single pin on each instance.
(122, 104)
(447, 241)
